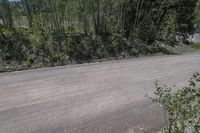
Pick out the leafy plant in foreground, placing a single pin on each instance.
(182, 106)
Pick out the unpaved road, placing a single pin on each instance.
(104, 97)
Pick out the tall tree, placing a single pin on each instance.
(6, 13)
(28, 12)
(185, 16)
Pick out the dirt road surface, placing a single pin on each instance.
(108, 97)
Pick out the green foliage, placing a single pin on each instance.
(197, 17)
(182, 106)
(14, 46)
(196, 45)
(57, 32)
(80, 48)
(6, 13)
(185, 16)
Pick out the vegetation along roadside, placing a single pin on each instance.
(182, 107)
(45, 33)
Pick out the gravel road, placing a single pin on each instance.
(108, 97)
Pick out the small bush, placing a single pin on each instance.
(15, 46)
(182, 106)
(196, 45)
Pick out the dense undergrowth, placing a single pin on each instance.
(23, 49)
(51, 33)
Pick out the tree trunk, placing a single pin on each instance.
(28, 12)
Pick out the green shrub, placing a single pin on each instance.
(15, 46)
(30, 61)
(80, 48)
(182, 106)
(196, 45)
(134, 52)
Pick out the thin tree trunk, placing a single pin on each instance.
(28, 12)
(85, 25)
